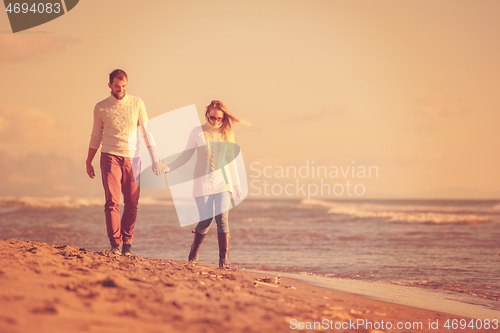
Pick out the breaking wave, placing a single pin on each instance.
(9, 203)
(410, 213)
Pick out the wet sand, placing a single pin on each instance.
(60, 288)
(444, 301)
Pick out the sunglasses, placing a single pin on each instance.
(212, 118)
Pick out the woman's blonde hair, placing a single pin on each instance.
(227, 120)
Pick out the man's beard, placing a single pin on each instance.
(118, 96)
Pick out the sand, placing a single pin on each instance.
(60, 288)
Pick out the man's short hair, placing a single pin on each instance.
(118, 73)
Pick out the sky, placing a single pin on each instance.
(408, 87)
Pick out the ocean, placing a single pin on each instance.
(449, 245)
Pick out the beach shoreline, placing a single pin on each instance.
(61, 288)
(428, 299)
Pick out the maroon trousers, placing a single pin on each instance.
(118, 176)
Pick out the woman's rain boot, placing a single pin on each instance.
(195, 247)
(223, 249)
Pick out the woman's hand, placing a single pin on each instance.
(239, 193)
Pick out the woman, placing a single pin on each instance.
(215, 176)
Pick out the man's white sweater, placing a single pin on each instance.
(114, 120)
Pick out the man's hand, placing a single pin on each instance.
(90, 158)
(158, 168)
(90, 170)
(239, 193)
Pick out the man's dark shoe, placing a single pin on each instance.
(126, 249)
(116, 249)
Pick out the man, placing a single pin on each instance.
(114, 119)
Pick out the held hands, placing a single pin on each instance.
(158, 168)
